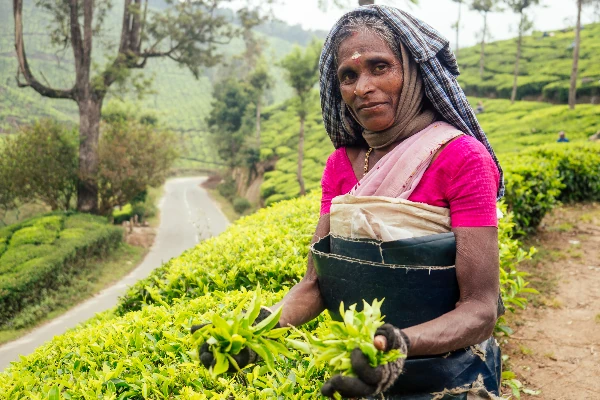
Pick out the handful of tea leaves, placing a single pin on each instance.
(228, 335)
(332, 344)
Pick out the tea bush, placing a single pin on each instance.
(43, 253)
(267, 248)
(149, 354)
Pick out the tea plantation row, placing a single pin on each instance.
(149, 353)
(544, 68)
(44, 253)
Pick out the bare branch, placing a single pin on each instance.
(24, 68)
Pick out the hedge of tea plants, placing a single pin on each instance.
(540, 177)
(146, 352)
(43, 253)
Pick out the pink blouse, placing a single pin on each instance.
(464, 178)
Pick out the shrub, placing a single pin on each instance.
(228, 188)
(40, 255)
(241, 205)
(532, 188)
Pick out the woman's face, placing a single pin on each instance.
(371, 79)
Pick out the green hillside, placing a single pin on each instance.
(510, 128)
(179, 100)
(544, 71)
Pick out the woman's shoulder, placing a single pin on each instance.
(464, 149)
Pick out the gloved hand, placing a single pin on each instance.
(243, 358)
(370, 381)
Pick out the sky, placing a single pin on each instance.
(442, 14)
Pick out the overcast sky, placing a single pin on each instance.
(441, 14)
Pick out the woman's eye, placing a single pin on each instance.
(348, 76)
(380, 68)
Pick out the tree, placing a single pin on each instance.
(302, 73)
(134, 155)
(575, 68)
(457, 25)
(187, 32)
(260, 81)
(40, 164)
(525, 24)
(484, 7)
(231, 100)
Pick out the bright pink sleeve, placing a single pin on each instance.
(328, 185)
(472, 190)
(338, 178)
(465, 179)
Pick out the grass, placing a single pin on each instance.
(90, 281)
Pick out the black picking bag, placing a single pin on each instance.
(417, 278)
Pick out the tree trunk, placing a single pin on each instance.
(575, 69)
(258, 109)
(301, 156)
(519, 41)
(458, 27)
(365, 2)
(482, 55)
(89, 134)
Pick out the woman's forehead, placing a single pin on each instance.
(362, 43)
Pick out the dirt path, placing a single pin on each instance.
(556, 344)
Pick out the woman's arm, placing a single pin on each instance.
(304, 302)
(474, 318)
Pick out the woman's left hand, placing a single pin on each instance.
(371, 381)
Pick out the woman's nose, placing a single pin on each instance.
(363, 86)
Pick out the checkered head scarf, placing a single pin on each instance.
(438, 67)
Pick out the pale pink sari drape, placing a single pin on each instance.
(399, 172)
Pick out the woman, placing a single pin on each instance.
(419, 225)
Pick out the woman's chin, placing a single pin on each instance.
(376, 125)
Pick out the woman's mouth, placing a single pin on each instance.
(371, 107)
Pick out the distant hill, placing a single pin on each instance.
(544, 71)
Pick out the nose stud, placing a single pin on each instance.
(356, 94)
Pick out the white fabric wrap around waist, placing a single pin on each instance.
(386, 218)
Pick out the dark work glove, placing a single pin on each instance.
(243, 358)
(370, 381)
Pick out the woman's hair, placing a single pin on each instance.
(366, 23)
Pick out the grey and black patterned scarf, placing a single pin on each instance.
(438, 66)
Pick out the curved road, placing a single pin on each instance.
(188, 216)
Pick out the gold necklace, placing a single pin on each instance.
(367, 161)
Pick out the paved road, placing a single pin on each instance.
(188, 216)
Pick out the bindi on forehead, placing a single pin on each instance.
(356, 57)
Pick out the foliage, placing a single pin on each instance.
(133, 156)
(40, 164)
(43, 253)
(229, 334)
(334, 342)
(151, 353)
(540, 177)
(241, 205)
